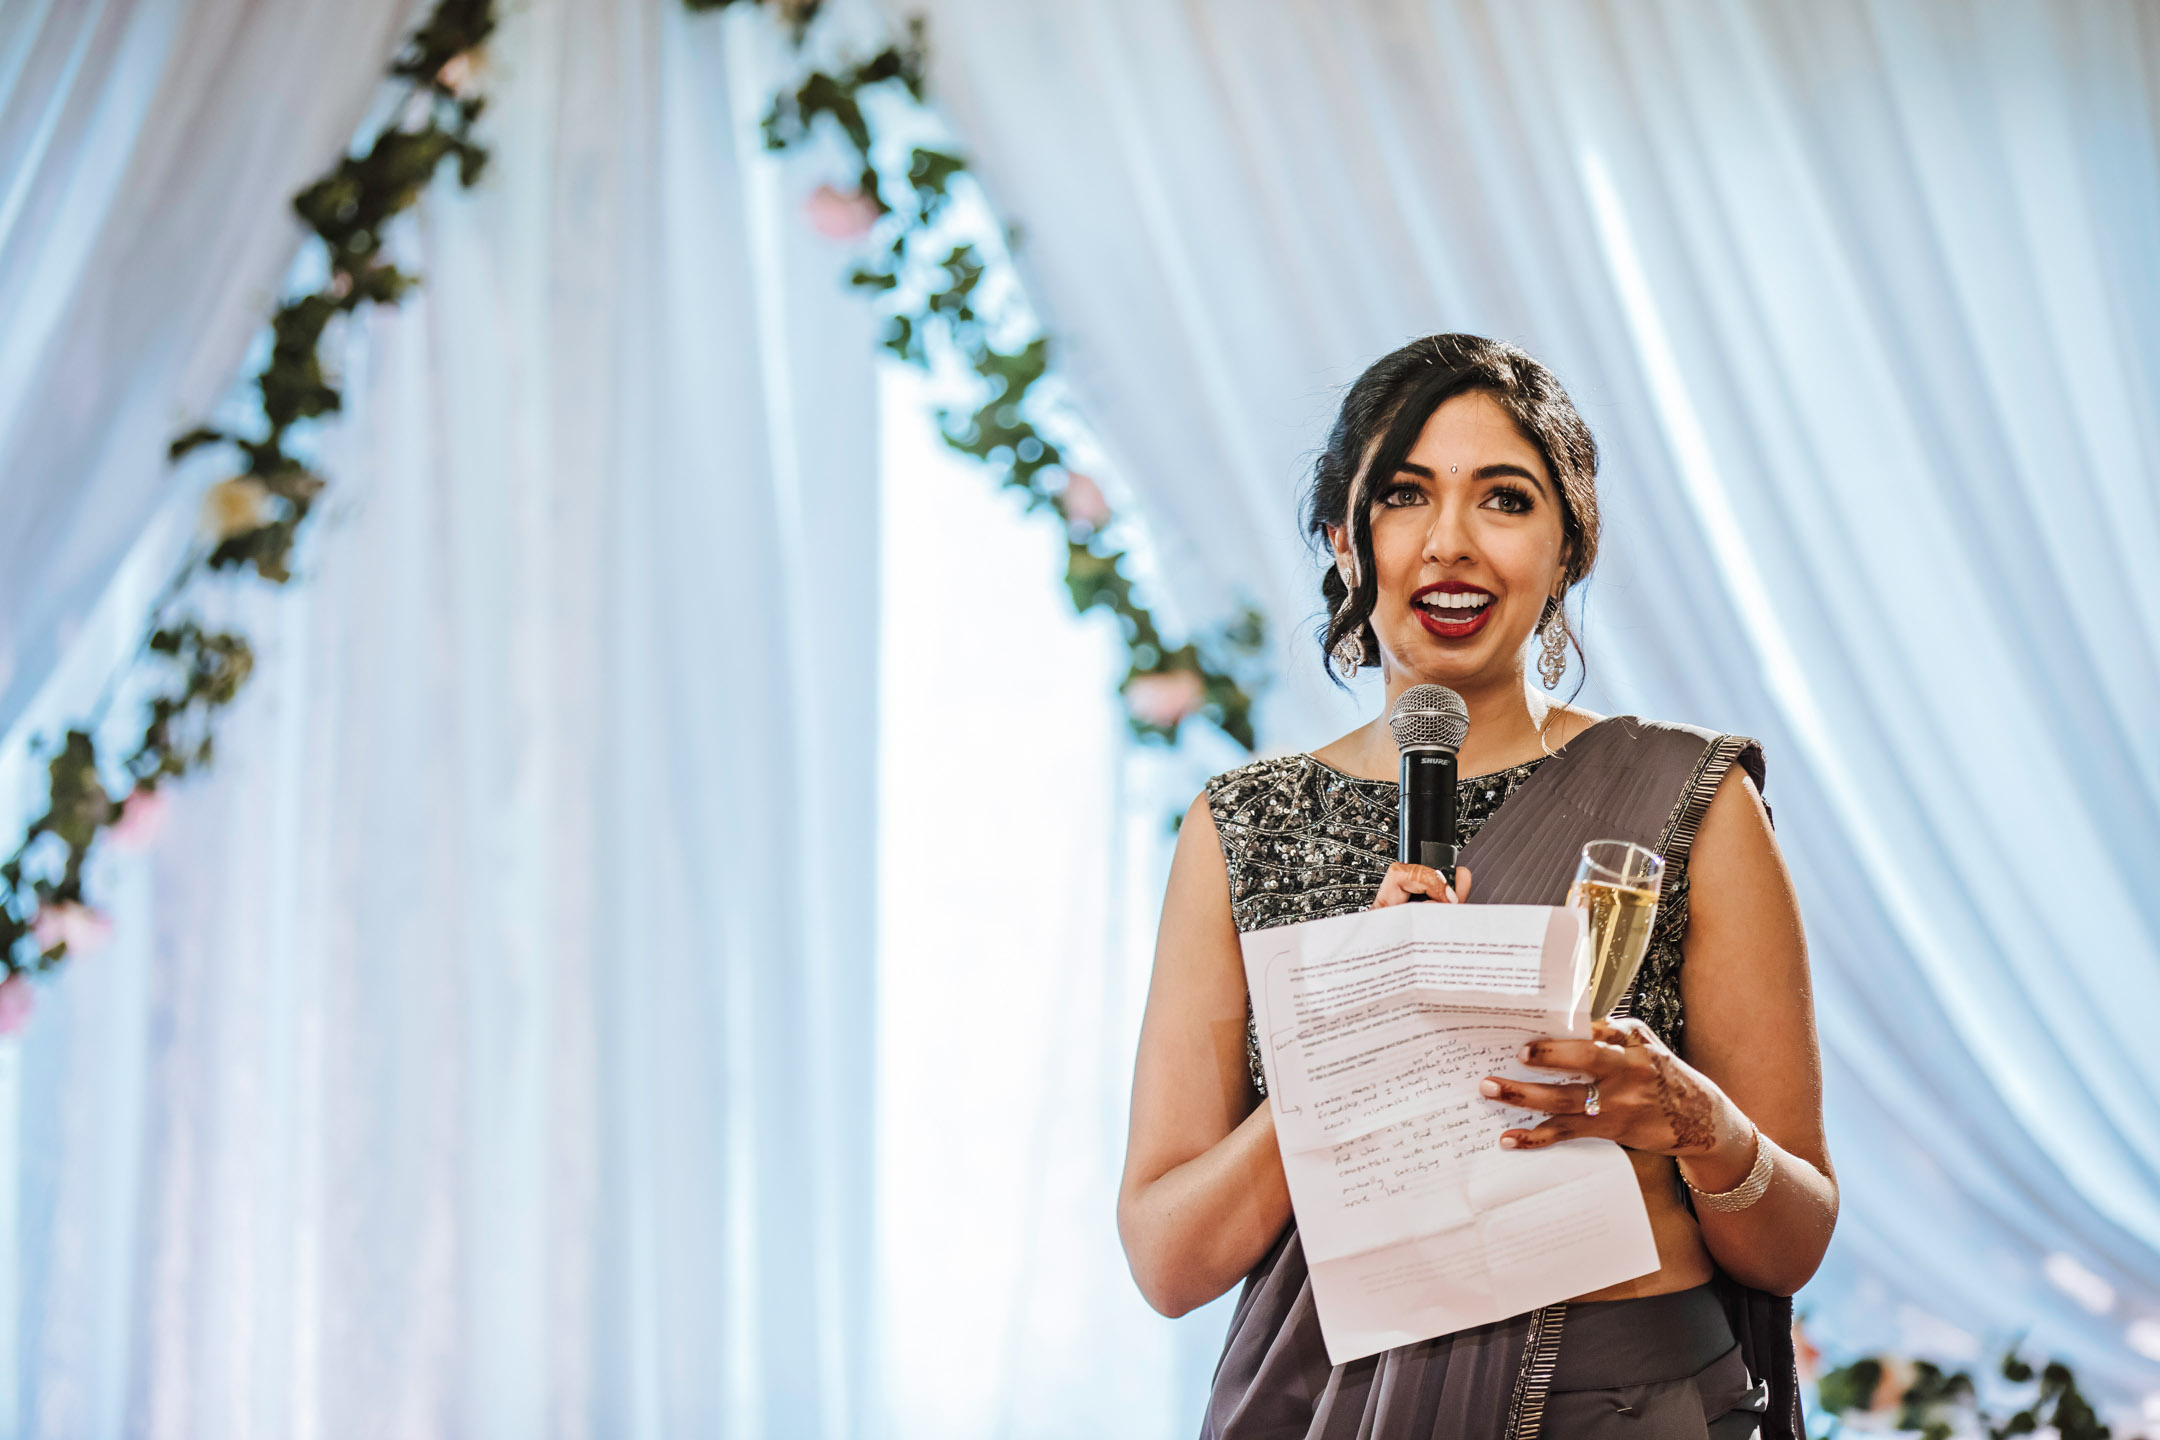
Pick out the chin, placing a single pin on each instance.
(1429, 661)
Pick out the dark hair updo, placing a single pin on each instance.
(1387, 408)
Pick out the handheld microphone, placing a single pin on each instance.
(1429, 722)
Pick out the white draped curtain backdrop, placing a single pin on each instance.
(509, 1038)
(487, 1046)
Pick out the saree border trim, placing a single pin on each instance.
(1687, 816)
(1541, 1354)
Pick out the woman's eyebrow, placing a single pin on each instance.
(1494, 471)
(1483, 472)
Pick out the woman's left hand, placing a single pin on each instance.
(1647, 1097)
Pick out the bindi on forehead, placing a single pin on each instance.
(1492, 470)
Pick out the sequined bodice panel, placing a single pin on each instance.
(1302, 840)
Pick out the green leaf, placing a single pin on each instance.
(194, 440)
(1849, 1387)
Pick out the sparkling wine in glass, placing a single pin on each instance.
(1617, 883)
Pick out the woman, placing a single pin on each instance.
(1457, 494)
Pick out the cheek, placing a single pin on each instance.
(1398, 551)
(1528, 559)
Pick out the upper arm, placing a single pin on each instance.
(1190, 1083)
(1750, 1007)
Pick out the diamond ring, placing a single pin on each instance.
(1590, 1100)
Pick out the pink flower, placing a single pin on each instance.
(17, 998)
(1164, 699)
(840, 214)
(1897, 1377)
(456, 74)
(1808, 1358)
(142, 819)
(81, 929)
(1083, 502)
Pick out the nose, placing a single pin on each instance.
(1447, 539)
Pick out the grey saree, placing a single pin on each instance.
(1300, 841)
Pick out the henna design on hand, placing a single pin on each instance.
(1687, 1109)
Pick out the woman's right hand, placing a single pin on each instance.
(1403, 881)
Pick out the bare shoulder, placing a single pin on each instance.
(1196, 918)
(1199, 844)
(1562, 723)
(1191, 1061)
(1735, 846)
(1741, 907)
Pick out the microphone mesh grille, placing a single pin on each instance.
(1428, 716)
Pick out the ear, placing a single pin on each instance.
(1338, 539)
(1567, 563)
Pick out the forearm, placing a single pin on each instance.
(1776, 1243)
(1194, 1231)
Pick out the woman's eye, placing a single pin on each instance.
(1510, 501)
(1397, 496)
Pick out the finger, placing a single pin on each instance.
(1530, 1095)
(1402, 881)
(1462, 882)
(1422, 879)
(1625, 1033)
(1552, 1132)
(1588, 1056)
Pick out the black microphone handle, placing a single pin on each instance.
(1425, 824)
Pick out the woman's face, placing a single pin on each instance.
(1468, 543)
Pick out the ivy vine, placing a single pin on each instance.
(925, 272)
(930, 278)
(185, 672)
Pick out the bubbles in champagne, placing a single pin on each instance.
(1620, 919)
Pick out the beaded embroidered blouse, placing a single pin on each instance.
(1302, 840)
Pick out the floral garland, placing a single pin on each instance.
(188, 672)
(930, 278)
(1917, 1396)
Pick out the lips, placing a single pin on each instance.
(1453, 610)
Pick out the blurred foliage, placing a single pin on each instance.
(930, 279)
(185, 673)
(1938, 1404)
(795, 14)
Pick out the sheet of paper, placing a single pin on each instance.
(1375, 1030)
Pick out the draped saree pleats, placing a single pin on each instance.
(1301, 840)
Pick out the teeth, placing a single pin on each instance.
(1464, 601)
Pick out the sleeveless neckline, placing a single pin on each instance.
(1489, 778)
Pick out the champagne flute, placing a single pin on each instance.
(1617, 883)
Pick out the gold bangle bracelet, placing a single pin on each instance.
(1748, 1191)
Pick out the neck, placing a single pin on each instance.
(1505, 729)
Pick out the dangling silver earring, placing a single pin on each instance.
(1349, 653)
(1552, 655)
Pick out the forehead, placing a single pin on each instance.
(1473, 429)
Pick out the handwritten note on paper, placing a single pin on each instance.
(1375, 1030)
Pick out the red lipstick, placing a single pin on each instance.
(1453, 622)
